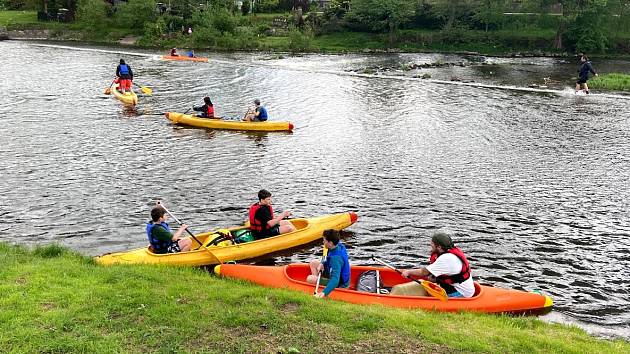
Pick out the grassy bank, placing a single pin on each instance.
(613, 81)
(11, 18)
(56, 301)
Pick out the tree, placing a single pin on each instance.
(450, 11)
(381, 15)
(488, 12)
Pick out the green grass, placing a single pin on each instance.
(613, 81)
(54, 300)
(9, 18)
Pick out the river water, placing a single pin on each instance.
(532, 183)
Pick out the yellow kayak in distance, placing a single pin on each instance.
(212, 252)
(218, 123)
(128, 97)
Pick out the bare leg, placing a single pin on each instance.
(312, 279)
(286, 226)
(185, 244)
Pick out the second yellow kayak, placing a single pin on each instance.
(267, 126)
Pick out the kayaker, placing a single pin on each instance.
(259, 114)
(448, 267)
(124, 76)
(335, 271)
(174, 52)
(262, 221)
(191, 53)
(207, 110)
(160, 236)
(585, 68)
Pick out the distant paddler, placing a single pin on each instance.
(207, 110)
(257, 114)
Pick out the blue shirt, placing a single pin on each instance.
(338, 268)
(262, 116)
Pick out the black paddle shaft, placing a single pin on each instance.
(392, 267)
(180, 223)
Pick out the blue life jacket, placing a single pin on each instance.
(263, 113)
(124, 69)
(158, 245)
(339, 251)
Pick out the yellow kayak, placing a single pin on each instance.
(187, 119)
(215, 250)
(128, 97)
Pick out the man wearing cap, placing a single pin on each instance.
(258, 115)
(448, 267)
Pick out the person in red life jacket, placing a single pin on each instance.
(124, 76)
(160, 236)
(174, 52)
(262, 221)
(448, 267)
(207, 110)
(335, 270)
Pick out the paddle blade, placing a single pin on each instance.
(435, 290)
(146, 90)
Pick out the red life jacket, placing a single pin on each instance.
(254, 224)
(210, 112)
(446, 281)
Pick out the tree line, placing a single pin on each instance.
(579, 25)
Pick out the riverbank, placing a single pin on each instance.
(256, 33)
(55, 300)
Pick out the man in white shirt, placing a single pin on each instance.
(448, 267)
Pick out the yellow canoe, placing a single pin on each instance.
(128, 97)
(267, 126)
(308, 230)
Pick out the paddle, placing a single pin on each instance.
(432, 288)
(319, 276)
(109, 89)
(144, 89)
(180, 223)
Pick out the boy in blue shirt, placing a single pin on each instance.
(335, 269)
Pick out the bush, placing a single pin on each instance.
(298, 41)
(135, 13)
(92, 12)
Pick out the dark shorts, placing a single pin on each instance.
(581, 80)
(273, 231)
(173, 248)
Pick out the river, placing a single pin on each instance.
(531, 182)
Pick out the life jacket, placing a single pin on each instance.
(447, 281)
(263, 113)
(124, 69)
(210, 111)
(254, 224)
(339, 251)
(159, 246)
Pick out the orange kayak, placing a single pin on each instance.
(184, 58)
(486, 299)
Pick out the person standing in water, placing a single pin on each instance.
(585, 68)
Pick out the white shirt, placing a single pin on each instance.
(450, 264)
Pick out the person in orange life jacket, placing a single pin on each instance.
(124, 76)
(207, 110)
(448, 267)
(174, 52)
(262, 221)
(160, 236)
(335, 269)
(258, 114)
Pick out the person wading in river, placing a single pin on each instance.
(585, 68)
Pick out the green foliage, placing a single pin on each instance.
(453, 12)
(588, 32)
(135, 13)
(93, 13)
(266, 6)
(49, 251)
(380, 15)
(613, 81)
(298, 41)
(245, 8)
(155, 31)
